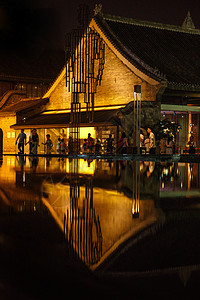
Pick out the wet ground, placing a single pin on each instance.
(106, 229)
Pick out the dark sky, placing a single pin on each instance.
(28, 26)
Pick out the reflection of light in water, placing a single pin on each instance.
(10, 161)
(136, 189)
(24, 177)
(136, 208)
(165, 171)
(97, 220)
(84, 166)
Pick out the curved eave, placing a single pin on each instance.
(145, 74)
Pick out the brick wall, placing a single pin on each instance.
(116, 88)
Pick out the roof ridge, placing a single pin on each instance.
(152, 24)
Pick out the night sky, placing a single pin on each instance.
(27, 27)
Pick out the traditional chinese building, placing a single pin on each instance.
(106, 60)
(23, 82)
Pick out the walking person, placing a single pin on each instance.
(35, 141)
(22, 140)
(30, 142)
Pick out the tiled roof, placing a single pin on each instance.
(164, 52)
(24, 104)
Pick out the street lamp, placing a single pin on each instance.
(137, 118)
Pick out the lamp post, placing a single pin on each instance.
(137, 118)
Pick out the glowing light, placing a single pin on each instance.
(50, 112)
(84, 132)
(84, 167)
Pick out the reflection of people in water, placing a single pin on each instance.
(89, 161)
(148, 168)
(34, 162)
(21, 161)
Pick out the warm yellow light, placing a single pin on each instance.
(84, 166)
(51, 112)
(84, 132)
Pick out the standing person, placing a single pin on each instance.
(147, 144)
(22, 140)
(90, 143)
(142, 148)
(97, 146)
(48, 143)
(141, 139)
(110, 147)
(152, 148)
(124, 143)
(162, 145)
(84, 146)
(62, 147)
(192, 145)
(169, 145)
(58, 146)
(35, 141)
(70, 145)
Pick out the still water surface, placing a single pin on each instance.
(99, 205)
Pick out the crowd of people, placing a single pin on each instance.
(92, 146)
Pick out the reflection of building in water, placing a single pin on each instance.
(182, 178)
(81, 225)
(17, 199)
(95, 218)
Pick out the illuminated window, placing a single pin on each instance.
(84, 132)
(10, 135)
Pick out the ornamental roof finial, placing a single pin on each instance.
(188, 23)
(97, 9)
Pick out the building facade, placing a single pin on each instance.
(162, 59)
